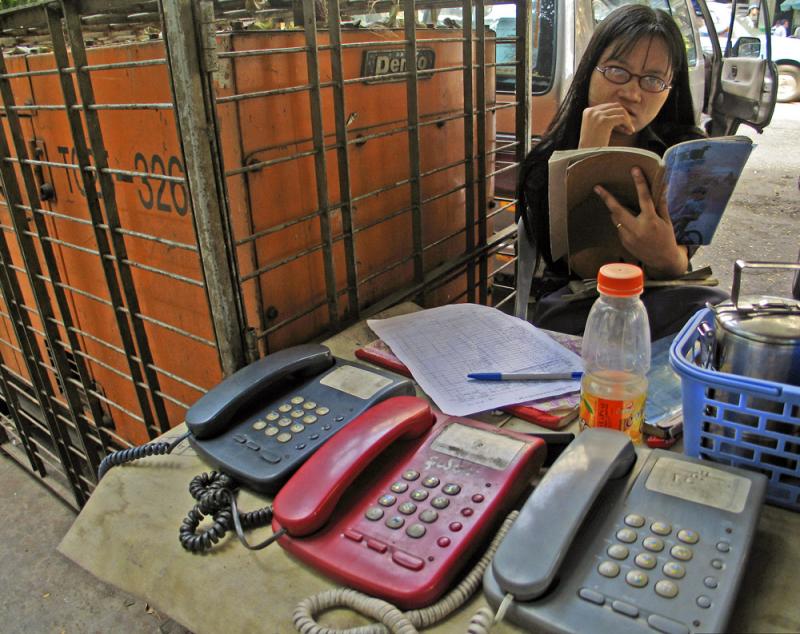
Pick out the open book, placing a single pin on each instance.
(699, 177)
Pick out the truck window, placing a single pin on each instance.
(542, 42)
(676, 8)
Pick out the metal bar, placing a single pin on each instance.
(412, 109)
(482, 194)
(320, 163)
(524, 78)
(130, 331)
(469, 144)
(12, 401)
(251, 251)
(190, 82)
(342, 155)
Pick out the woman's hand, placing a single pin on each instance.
(649, 237)
(598, 122)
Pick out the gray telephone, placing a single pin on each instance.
(613, 540)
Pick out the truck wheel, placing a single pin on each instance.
(788, 83)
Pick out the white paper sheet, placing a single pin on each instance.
(440, 346)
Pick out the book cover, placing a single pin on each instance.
(699, 177)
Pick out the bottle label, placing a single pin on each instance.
(624, 416)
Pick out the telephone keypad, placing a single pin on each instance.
(608, 569)
(635, 520)
(688, 536)
(637, 578)
(374, 513)
(667, 589)
(626, 535)
(395, 522)
(416, 531)
(674, 569)
(618, 551)
(429, 516)
(655, 544)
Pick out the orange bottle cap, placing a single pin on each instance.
(620, 280)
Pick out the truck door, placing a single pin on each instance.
(742, 83)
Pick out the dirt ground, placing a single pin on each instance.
(762, 221)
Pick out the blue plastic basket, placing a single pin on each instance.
(749, 423)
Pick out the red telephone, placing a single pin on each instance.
(404, 528)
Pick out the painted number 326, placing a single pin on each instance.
(160, 194)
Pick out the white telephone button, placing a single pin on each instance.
(309, 405)
(688, 536)
(703, 601)
(645, 560)
(626, 535)
(399, 487)
(410, 475)
(665, 625)
(656, 544)
(309, 419)
(271, 431)
(608, 569)
(296, 400)
(259, 425)
(374, 513)
(667, 589)
(681, 552)
(618, 551)
(637, 578)
(587, 594)
(416, 531)
(625, 608)
(273, 416)
(661, 528)
(674, 569)
(635, 520)
(429, 516)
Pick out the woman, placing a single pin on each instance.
(631, 88)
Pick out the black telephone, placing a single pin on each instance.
(262, 422)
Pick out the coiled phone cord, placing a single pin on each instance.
(215, 494)
(390, 617)
(134, 453)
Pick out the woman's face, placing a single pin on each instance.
(649, 56)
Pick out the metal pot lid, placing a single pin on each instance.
(773, 320)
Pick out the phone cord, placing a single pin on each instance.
(134, 453)
(390, 617)
(215, 493)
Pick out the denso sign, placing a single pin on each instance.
(383, 65)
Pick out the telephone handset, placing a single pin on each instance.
(398, 520)
(615, 540)
(263, 421)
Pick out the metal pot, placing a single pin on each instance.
(758, 337)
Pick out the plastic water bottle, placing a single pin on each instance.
(616, 353)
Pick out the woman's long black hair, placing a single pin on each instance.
(623, 28)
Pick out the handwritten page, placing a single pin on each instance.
(440, 346)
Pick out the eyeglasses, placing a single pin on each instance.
(617, 75)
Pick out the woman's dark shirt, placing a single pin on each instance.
(535, 192)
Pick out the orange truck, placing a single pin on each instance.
(264, 119)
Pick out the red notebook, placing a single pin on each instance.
(552, 413)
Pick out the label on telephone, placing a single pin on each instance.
(699, 483)
(355, 381)
(478, 446)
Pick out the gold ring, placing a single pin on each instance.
(619, 225)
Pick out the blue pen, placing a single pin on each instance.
(525, 376)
